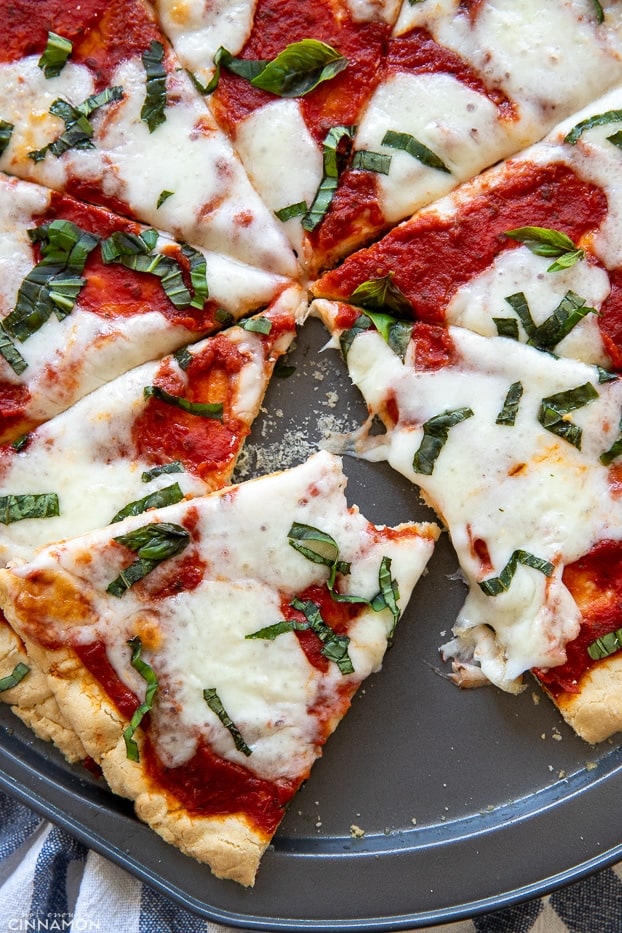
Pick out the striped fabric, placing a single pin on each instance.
(49, 881)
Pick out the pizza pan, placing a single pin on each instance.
(430, 805)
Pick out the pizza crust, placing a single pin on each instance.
(595, 712)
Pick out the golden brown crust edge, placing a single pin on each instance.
(595, 712)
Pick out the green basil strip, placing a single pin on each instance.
(54, 58)
(396, 333)
(543, 241)
(6, 130)
(519, 305)
(21, 442)
(554, 408)
(299, 209)
(599, 119)
(569, 312)
(270, 632)
(15, 508)
(135, 251)
(347, 338)
(175, 466)
(318, 547)
(183, 357)
(17, 674)
(334, 646)
(258, 325)
(605, 376)
(506, 327)
(198, 275)
(148, 675)
(414, 148)
(388, 597)
(153, 109)
(152, 543)
(168, 495)
(204, 409)
(616, 139)
(295, 71)
(11, 354)
(614, 451)
(164, 196)
(600, 13)
(496, 585)
(605, 645)
(381, 294)
(507, 415)
(214, 702)
(328, 186)
(78, 130)
(367, 161)
(435, 436)
(52, 286)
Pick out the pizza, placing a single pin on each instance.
(277, 580)
(182, 185)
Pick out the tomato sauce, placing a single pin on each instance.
(417, 52)
(595, 582)
(337, 616)
(610, 319)
(432, 256)
(354, 216)
(14, 401)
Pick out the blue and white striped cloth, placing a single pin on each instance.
(50, 881)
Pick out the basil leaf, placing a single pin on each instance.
(389, 594)
(164, 196)
(153, 109)
(615, 139)
(334, 646)
(367, 161)
(381, 294)
(214, 702)
(614, 451)
(507, 415)
(295, 71)
(328, 186)
(569, 312)
(496, 585)
(270, 632)
(204, 409)
(600, 13)
(148, 675)
(15, 508)
(183, 357)
(362, 323)
(20, 442)
(414, 148)
(135, 251)
(11, 354)
(152, 543)
(435, 436)
(396, 333)
(242, 67)
(198, 275)
(175, 466)
(555, 408)
(318, 547)
(299, 209)
(54, 58)
(168, 495)
(6, 130)
(600, 119)
(16, 676)
(543, 241)
(78, 129)
(605, 645)
(258, 325)
(506, 327)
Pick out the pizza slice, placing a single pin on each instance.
(86, 294)
(205, 651)
(531, 249)
(165, 431)
(93, 102)
(518, 452)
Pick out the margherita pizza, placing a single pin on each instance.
(180, 182)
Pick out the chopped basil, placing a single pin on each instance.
(571, 309)
(204, 409)
(396, 333)
(507, 415)
(270, 632)
(616, 139)
(54, 58)
(6, 130)
(614, 451)
(78, 130)
(555, 408)
(295, 71)
(203, 88)
(367, 161)
(53, 285)
(224, 317)
(198, 275)
(168, 495)
(496, 585)
(435, 436)
(299, 209)
(381, 294)
(11, 354)
(20, 442)
(212, 699)
(543, 241)
(135, 251)
(506, 327)
(318, 547)
(605, 645)
(148, 675)
(599, 119)
(152, 543)
(183, 357)
(414, 148)
(164, 196)
(175, 466)
(605, 376)
(153, 109)
(328, 186)
(15, 508)
(258, 325)
(600, 13)
(388, 597)
(17, 674)
(334, 645)
(362, 323)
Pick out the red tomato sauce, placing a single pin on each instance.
(418, 52)
(431, 257)
(610, 319)
(595, 582)
(354, 216)
(14, 401)
(337, 615)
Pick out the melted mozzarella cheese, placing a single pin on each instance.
(268, 688)
(518, 487)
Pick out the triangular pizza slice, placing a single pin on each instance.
(205, 651)
(518, 452)
(166, 431)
